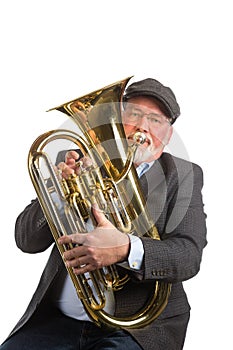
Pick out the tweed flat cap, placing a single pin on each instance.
(153, 88)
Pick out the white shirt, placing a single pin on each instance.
(67, 300)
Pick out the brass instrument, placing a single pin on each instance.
(111, 181)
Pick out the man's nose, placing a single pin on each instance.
(143, 123)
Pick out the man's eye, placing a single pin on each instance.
(155, 120)
(135, 115)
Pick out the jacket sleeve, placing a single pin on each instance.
(177, 256)
(32, 233)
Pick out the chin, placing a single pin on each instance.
(143, 155)
(147, 155)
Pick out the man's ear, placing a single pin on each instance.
(168, 136)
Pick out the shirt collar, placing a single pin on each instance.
(143, 168)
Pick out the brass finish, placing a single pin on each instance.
(117, 192)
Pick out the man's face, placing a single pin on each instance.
(143, 114)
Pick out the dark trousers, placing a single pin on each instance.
(59, 332)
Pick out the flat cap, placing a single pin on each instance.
(153, 88)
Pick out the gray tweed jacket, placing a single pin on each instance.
(172, 188)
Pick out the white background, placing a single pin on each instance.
(54, 51)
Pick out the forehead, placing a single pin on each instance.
(146, 102)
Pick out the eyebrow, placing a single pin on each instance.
(149, 112)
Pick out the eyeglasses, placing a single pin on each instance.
(135, 115)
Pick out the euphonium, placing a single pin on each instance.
(111, 181)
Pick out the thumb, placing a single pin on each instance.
(99, 216)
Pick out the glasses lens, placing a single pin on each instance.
(134, 115)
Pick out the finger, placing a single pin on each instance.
(76, 262)
(64, 240)
(82, 165)
(75, 255)
(76, 238)
(83, 269)
(71, 155)
(86, 162)
(71, 158)
(65, 170)
(99, 216)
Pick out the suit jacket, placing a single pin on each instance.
(172, 188)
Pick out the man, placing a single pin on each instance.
(55, 318)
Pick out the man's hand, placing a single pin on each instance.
(70, 166)
(103, 246)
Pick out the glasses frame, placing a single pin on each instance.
(138, 118)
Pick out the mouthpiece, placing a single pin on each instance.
(139, 138)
